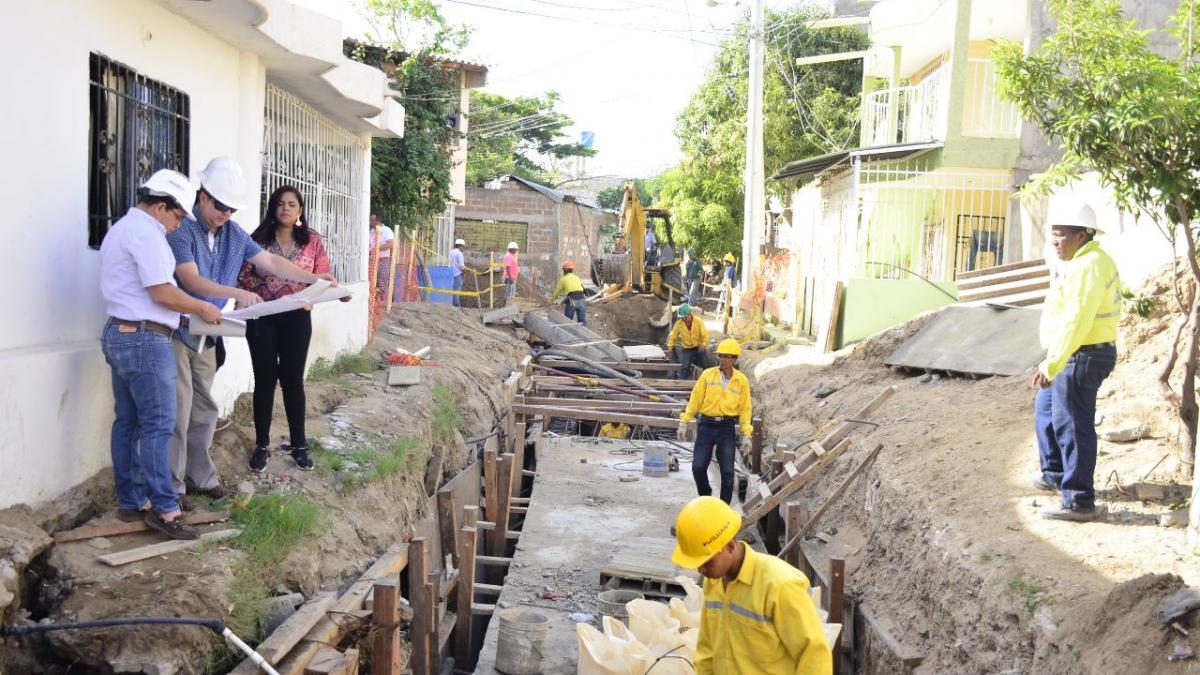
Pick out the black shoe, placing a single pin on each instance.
(175, 529)
(258, 461)
(300, 456)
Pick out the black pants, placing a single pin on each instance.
(278, 352)
(721, 436)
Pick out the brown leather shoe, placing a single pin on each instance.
(130, 515)
(175, 529)
(186, 504)
(215, 492)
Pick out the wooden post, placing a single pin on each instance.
(792, 515)
(518, 458)
(392, 270)
(448, 521)
(490, 483)
(837, 603)
(412, 262)
(491, 280)
(463, 654)
(386, 649)
(418, 576)
(504, 475)
(756, 445)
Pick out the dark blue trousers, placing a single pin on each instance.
(1065, 422)
(721, 436)
(686, 358)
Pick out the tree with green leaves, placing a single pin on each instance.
(517, 136)
(1132, 115)
(610, 198)
(807, 110)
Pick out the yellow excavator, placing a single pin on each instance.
(625, 269)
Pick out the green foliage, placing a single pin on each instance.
(1118, 107)
(445, 412)
(648, 190)
(807, 111)
(323, 369)
(1138, 305)
(508, 135)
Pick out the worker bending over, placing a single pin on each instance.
(721, 401)
(571, 288)
(690, 335)
(1079, 332)
(757, 615)
(614, 430)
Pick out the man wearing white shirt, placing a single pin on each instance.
(143, 304)
(457, 266)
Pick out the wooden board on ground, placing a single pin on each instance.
(119, 527)
(646, 564)
(163, 548)
(974, 340)
(291, 631)
(597, 415)
(404, 376)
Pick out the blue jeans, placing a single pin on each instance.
(576, 309)
(1065, 424)
(457, 285)
(143, 382)
(510, 288)
(693, 292)
(721, 436)
(686, 358)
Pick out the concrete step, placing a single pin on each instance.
(1001, 268)
(1004, 277)
(1009, 288)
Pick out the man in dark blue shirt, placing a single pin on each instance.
(209, 253)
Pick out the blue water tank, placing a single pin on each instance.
(441, 277)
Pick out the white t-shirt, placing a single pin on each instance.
(134, 257)
(456, 261)
(385, 239)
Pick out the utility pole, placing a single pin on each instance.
(753, 180)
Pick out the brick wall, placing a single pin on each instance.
(516, 203)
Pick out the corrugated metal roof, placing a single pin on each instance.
(814, 165)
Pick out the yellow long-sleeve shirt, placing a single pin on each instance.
(763, 622)
(713, 397)
(690, 338)
(567, 283)
(1083, 307)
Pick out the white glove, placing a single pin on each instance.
(684, 433)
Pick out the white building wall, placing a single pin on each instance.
(55, 395)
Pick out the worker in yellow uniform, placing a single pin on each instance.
(571, 289)
(757, 615)
(690, 336)
(721, 402)
(614, 430)
(1079, 332)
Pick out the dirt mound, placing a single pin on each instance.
(942, 535)
(378, 449)
(628, 318)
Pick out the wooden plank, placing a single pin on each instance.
(808, 527)
(844, 429)
(334, 626)
(883, 631)
(599, 416)
(419, 629)
(387, 648)
(786, 491)
(642, 559)
(504, 481)
(656, 366)
(330, 661)
(490, 483)
(448, 522)
(764, 492)
(463, 653)
(616, 405)
(656, 382)
(837, 605)
(790, 469)
(791, 517)
(482, 609)
(518, 480)
(488, 589)
(756, 445)
(119, 527)
(492, 560)
(291, 631)
(835, 315)
(162, 548)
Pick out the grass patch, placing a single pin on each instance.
(325, 459)
(445, 412)
(347, 362)
(1031, 595)
(398, 456)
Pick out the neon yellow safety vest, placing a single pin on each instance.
(1083, 307)
(567, 283)
(763, 622)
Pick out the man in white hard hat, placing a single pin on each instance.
(511, 270)
(209, 252)
(143, 305)
(457, 266)
(1079, 332)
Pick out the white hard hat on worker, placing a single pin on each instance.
(512, 246)
(1072, 214)
(223, 180)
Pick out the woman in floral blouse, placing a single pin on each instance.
(279, 342)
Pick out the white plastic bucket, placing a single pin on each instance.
(654, 461)
(519, 647)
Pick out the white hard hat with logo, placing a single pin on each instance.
(513, 244)
(223, 179)
(459, 242)
(1065, 214)
(168, 183)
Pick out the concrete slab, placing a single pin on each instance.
(579, 517)
(974, 340)
(497, 315)
(404, 375)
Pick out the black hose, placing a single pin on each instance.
(215, 625)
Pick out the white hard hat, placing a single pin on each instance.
(459, 242)
(168, 183)
(1072, 215)
(513, 244)
(223, 179)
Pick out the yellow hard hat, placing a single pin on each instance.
(702, 529)
(729, 258)
(729, 346)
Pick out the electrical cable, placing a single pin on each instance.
(942, 290)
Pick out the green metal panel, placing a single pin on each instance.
(873, 305)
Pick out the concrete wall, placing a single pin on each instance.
(56, 405)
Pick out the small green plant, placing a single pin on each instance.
(445, 412)
(273, 524)
(347, 362)
(1138, 305)
(1031, 595)
(987, 555)
(326, 459)
(321, 369)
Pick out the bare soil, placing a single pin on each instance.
(943, 535)
(360, 514)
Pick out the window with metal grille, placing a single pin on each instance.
(491, 236)
(137, 126)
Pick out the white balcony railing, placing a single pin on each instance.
(912, 114)
(985, 114)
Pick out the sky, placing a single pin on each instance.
(624, 69)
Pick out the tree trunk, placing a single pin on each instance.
(1188, 415)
